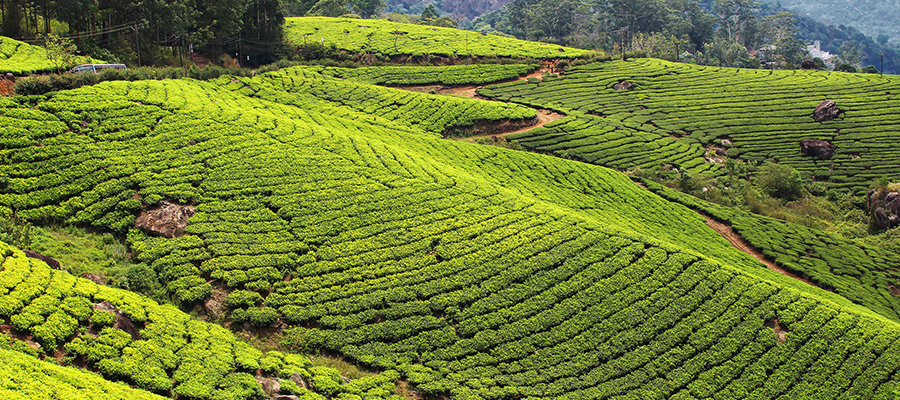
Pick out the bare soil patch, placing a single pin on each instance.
(543, 117)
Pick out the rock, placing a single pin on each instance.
(346, 379)
(286, 397)
(624, 85)
(213, 307)
(808, 64)
(10, 76)
(270, 386)
(47, 259)
(817, 148)
(881, 218)
(168, 220)
(726, 142)
(296, 378)
(892, 202)
(826, 111)
(893, 290)
(94, 278)
(123, 323)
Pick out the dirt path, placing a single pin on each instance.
(739, 243)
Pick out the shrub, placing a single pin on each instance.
(780, 181)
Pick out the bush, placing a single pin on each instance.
(844, 67)
(142, 278)
(870, 70)
(780, 181)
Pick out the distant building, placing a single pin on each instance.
(815, 50)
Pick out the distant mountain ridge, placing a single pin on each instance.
(872, 17)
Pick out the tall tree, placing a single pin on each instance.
(734, 16)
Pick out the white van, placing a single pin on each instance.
(95, 68)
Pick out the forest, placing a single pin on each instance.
(739, 33)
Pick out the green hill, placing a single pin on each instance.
(473, 271)
(397, 39)
(679, 114)
(20, 58)
(167, 352)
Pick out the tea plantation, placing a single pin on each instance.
(473, 272)
(20, 58)
(677, 113)
(172, 354)
(398, 39)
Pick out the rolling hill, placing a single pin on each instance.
(681, 114)
(398, 39)
(474, 272)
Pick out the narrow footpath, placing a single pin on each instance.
(738, 242)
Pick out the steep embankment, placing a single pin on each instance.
(475, 272)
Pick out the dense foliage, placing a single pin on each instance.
(173, 352)
(877, 19)
(679, 114)
(473, 271)
(396, 39)
(149, 33)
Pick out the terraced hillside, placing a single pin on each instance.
(398, 39)
(475, 272)
(20, 58)
(679, 113)
(864, 274)
(127, 337)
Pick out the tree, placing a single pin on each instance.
(734, 16)
(60, 51)
(430, 12)
(328, 8)
(851, 53)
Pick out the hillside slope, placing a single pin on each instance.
(127, 337)
(20, 58)
(679, 114)
(476, 272)
(398, 39)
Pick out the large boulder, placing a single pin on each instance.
(167, 220)
(94, 278)
(826, 111)
(885, 208)
(296, 378)
(47, 259)
(624, 85)
(817, 148)
(269, 385)
(123, 323)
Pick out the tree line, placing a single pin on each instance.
(736, 33)
(160, 32)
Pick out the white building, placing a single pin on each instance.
(815, 50)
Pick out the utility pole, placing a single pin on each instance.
(622, 36)
(137, 46)
(881, 70)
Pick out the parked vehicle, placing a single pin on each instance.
(96, 68)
